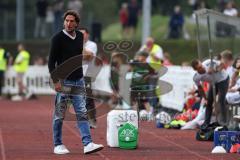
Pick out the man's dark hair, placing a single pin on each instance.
(84, 29)
(194, 63)
(72, 13)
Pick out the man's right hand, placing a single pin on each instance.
(204, 101)
(57, 86)
(233, 89)
(210, 71)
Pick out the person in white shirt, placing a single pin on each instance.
(230, 10)
(233, 95)
(227, 59)
(214, 73)
(89, 51)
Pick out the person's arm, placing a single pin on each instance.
(158, 55)
(219, 67)
(19, 59)
(52, 59)
(143, 48)
(8, 58)
(156, 58)
(233, 79)
(233, 89)
(54, 49)
(197, 79)
(182, 20)
(87, 55)
(89, 51)
(213, 66)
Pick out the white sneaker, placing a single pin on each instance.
(92, 147)
(28, 95)
(16, 98)
(237, 117)
(61, 149)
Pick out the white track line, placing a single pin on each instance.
(77, 134)
(176, 144)
(3, 153)
(152, 133)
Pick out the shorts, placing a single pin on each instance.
(132, 22)
(19, 77)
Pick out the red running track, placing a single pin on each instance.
(25, 134)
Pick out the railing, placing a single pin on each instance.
(37, 81)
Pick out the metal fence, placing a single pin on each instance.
(8, 14)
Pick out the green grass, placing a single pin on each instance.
(159, 29)
(179, 50)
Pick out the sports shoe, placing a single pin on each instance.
(16, 98)
(237, 117)
(28, 95)
(61, 149)
(92, 147)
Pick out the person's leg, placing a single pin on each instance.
(60, 106)
(90, 105)
(79, 104)
(37, 27)
(21, 86)
(135, 28)
(154, 100)
(43, 27)
(222, 91)
(209, 107)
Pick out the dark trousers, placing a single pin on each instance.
(1, 81)
(221, 91)
(90, 105)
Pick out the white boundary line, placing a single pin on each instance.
(176, 144)
(3, 153)
(149, 132)
(76, 134)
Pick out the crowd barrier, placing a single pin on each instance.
(182, 80)
(37, 80)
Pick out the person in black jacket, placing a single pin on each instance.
(67, 46)
(40, 24)
(176, 23)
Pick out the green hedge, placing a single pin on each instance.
(180, 50)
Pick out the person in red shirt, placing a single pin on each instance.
(123, 16)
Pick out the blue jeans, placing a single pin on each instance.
(79, 104)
